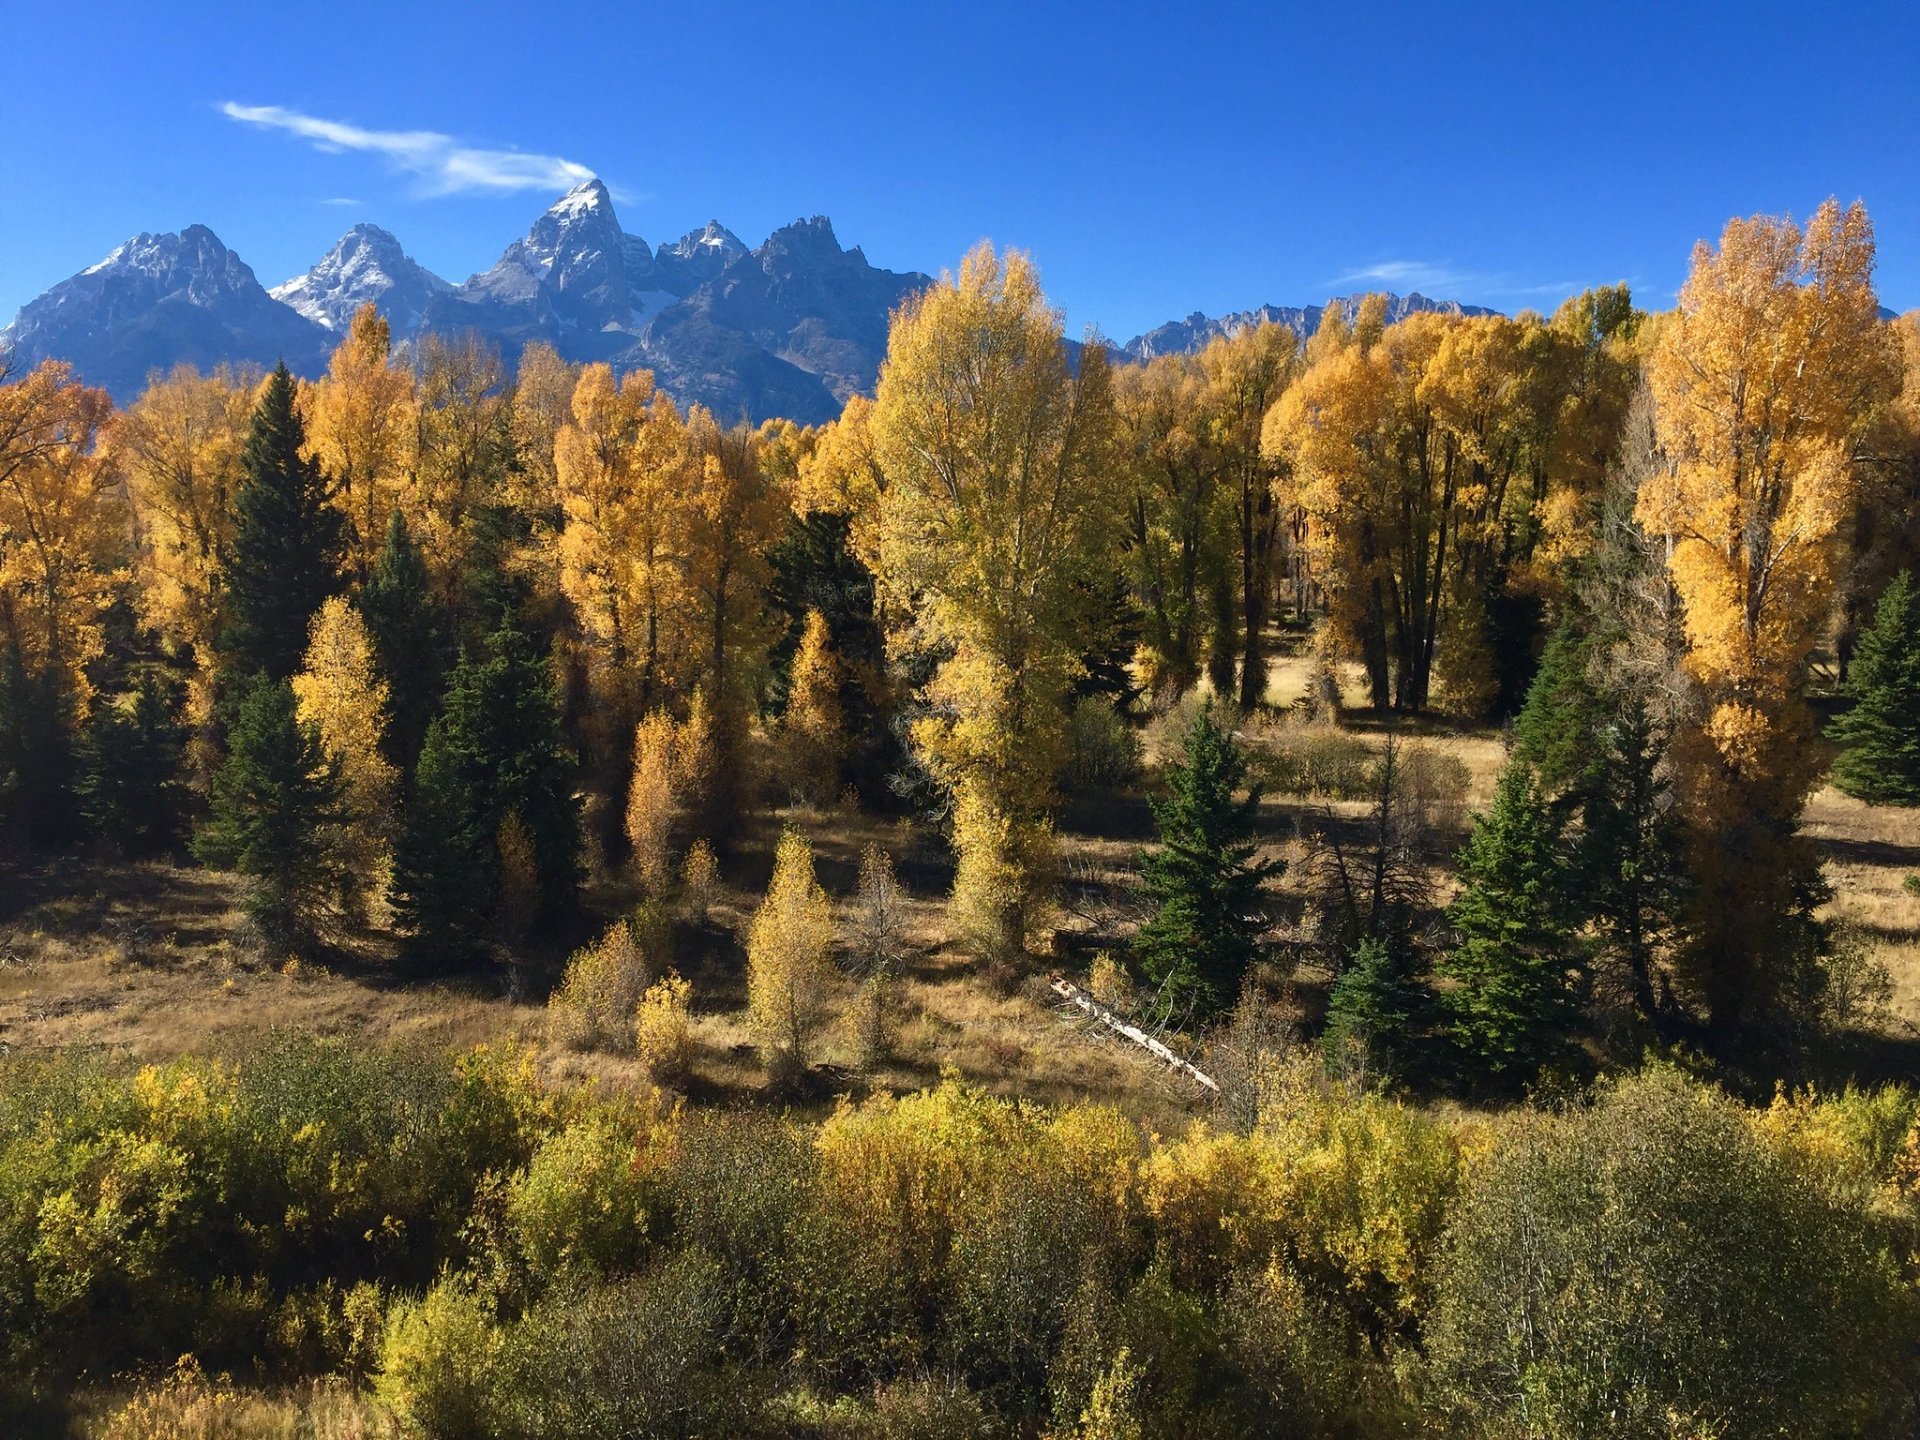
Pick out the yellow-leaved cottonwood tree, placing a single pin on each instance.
(1762, 381)
(362, 426)
(340, 693)
(178, 449)
(813, 731)
(789, 964)
(61, 520)
(995, 519)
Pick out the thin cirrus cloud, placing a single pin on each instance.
(1431, 276)
(444, 166)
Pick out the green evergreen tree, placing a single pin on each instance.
(1511, 1001)
(284, 559)
(274, 801)
(1559, 727)
(1378, 1008)
(37, 758)
(408, 627)
(1205, 882)
(131, 791)
(494, 751)
(1632, 870)
(1881, 733)
(445, 871)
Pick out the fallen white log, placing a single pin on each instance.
(1079, 998)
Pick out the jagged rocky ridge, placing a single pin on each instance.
(793, 327)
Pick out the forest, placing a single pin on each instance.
(526, 910)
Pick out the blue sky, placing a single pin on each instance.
(1154, 159)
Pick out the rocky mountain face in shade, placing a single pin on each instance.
(1189, 336)
(792, 327)
(158, 301)
(367, 265)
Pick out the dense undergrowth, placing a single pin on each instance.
(343, 1241)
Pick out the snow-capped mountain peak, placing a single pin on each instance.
(366, 264)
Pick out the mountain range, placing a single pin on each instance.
(793, 327)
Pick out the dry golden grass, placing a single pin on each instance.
(152, 962)
(1869, 852)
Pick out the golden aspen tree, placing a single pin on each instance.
(339, 693)
(839, 472)
(652, 801)
(462, 449)
(997, 517)
(704, 796)
(362, 426)
(789, 962)
(737, 513)
(1762, 382)
(623, 474)
(1176, 524)
(813, 733)
(543, 388)
(700, 880)
(1244, 375)
(1409, 457)
(663, 1030)
(178, 447)
(62, 526)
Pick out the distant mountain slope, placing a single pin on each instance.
(367, 265)
(819, 312)
(1189, 336)
(155, 302)
(793, 327)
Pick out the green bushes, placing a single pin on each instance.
(469, 1253)
(1655, 1265)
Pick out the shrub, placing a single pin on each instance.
(632, 1361)
(583, 1205)
(1316, 761)
(1654, 1266)
(437, 1363)
(594, 1005)
(788, 967)
(663, 1030)
(1104, 751)
(700, 881)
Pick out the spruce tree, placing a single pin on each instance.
(131, 791)
(274, 802)
(1378, 1008)
(1559, 727)
(408, 626)
(1632, 878)
(37, 759)
(494, 752)
(288, 538)
(1511, 1003)
(1205, 882)
(1881, 733)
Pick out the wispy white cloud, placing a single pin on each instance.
(340, 200)
(444, 165)
(1408, 275)
(1445, 281)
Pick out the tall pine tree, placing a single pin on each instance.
(1558, 729)
(131, 790)
(1205, 882)
(287, 542)
(409, 627)
(1881, 733)
(494, 752)
(1511, 1001)
(1632, 867)
(274, 802)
